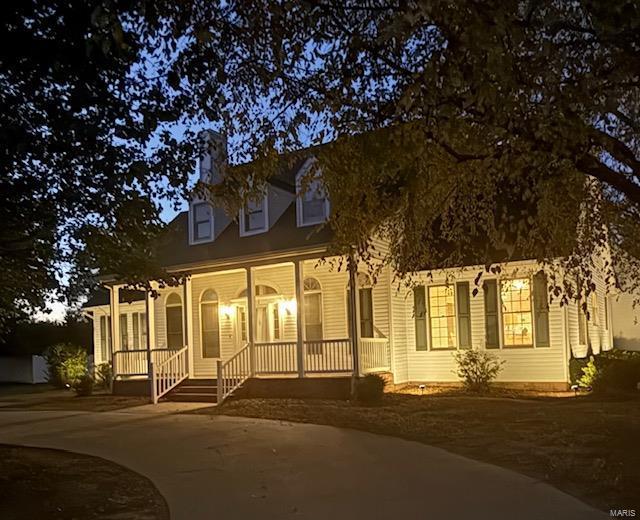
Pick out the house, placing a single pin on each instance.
(259, 305)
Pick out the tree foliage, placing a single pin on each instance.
(486, 129)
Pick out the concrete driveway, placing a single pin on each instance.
(213, 467)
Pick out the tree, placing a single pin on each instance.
(453, 128)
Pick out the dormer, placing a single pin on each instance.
(206, 221)
(312, 201)
(254, 216)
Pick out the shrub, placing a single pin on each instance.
(590, 374)
(84, 385)
(104, 375)
(618, 371)
(66, 364)
(477, 369)
(576, 367)
(369, 389)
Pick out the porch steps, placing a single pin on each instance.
(194, 391)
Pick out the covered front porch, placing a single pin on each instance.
(294, 318)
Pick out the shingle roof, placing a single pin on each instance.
(284, 235)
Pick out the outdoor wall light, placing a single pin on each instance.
(288, 306)
(227, 311)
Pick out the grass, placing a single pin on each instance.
(585, 446)
(54, 484)
(45, 397)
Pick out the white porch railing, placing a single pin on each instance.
(233, 372)
(276, 358)
(169, 373)
(375, 355)
(134, 362)
(328, 355)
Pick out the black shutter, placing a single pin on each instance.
(541, 308)
(464, 314)
(491, 313)
(420, 317)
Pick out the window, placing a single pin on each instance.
(313, 314)
(517, 318)
(124, 332)
(420, 317)
(210, 324)
(202, 222)
(276, 321)
(593, 309)
(254, 218)
(139, 320)
(442, 317)
(582, 325)
(175, 339)
(312, 201)
(366, 307)
(105, 337)
(241, 313)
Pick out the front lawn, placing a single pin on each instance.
(44, 397)
(585, 446)
(40, 483)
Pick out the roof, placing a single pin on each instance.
(283, 235)
(101, 297)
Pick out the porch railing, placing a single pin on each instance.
(169, 373)
(233, 372)
(276, 358)
(328, 356)
(375, 355)
(134, 362)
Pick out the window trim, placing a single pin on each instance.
(242, 219)
(202, 302)
(166, 324)
(312, 292)
(428, 316)
(531, 311)
(300, 222)
(192, 214)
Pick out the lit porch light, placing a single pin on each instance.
(288, 306)
(227, 311)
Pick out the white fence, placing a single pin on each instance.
(328, 356)
(276, 358)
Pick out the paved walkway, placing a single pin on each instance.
(212, 467)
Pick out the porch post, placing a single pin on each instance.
(354, 303)
(114, 301)
(188, 323)
(251, 317)
(299, 279)
(150, 313)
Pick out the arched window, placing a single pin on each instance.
(209, 324)
(312, 311)
(366, 306)
(261, 290)
(174, 321)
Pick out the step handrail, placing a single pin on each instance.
(233, 372)
(168, 374)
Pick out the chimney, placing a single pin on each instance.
(213, 156)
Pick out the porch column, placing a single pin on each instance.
(188, 323)
(299, 279)
(114, 301)
(151, 340)
(251, 318)
(354, 303)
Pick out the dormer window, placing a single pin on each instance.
(312, 201)
(254, 217)
(201, 222)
